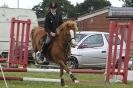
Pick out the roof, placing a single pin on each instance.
(113, 12)
(93, 14)
(120, 12)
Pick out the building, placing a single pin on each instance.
(99, 20)
(95, 21)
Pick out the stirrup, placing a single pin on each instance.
(40, 59)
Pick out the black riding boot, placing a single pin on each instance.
(44, 49)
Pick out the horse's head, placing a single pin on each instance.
(69, 29)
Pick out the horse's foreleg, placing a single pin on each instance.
(61, 76)
(74, 79)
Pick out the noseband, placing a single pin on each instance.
(70, 40)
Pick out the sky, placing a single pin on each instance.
(28, 4)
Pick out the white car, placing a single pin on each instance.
(91, 49)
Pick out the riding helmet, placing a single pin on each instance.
(53, 5)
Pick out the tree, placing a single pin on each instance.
(128, 3)
(68, 10)
(39, 10)
(64, 7)
(91, 5)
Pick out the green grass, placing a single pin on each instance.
(86, 81)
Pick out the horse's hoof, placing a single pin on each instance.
(40, 62)
(76, 81)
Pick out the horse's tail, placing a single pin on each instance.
(32, 33)
(32, 38)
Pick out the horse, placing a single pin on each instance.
(60, 48)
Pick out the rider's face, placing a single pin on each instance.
(53, 10)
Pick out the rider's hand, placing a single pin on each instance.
(52, 34)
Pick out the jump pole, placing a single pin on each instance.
(32, 79)
(52, 70)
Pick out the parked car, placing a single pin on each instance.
(92, 49)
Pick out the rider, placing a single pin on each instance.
(52, 21)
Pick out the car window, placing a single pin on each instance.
(94, 41)
(79, 37)
(107, 37)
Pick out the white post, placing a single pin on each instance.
(3, 76)
(18, 3)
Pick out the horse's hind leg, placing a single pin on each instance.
(61, 76)
(74, 79)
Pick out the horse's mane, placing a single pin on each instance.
(70, 24)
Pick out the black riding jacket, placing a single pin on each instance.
(52, 22)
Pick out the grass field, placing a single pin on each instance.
(86, 81)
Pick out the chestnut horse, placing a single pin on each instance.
(60, 49)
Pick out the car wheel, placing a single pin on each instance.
(72, 63)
